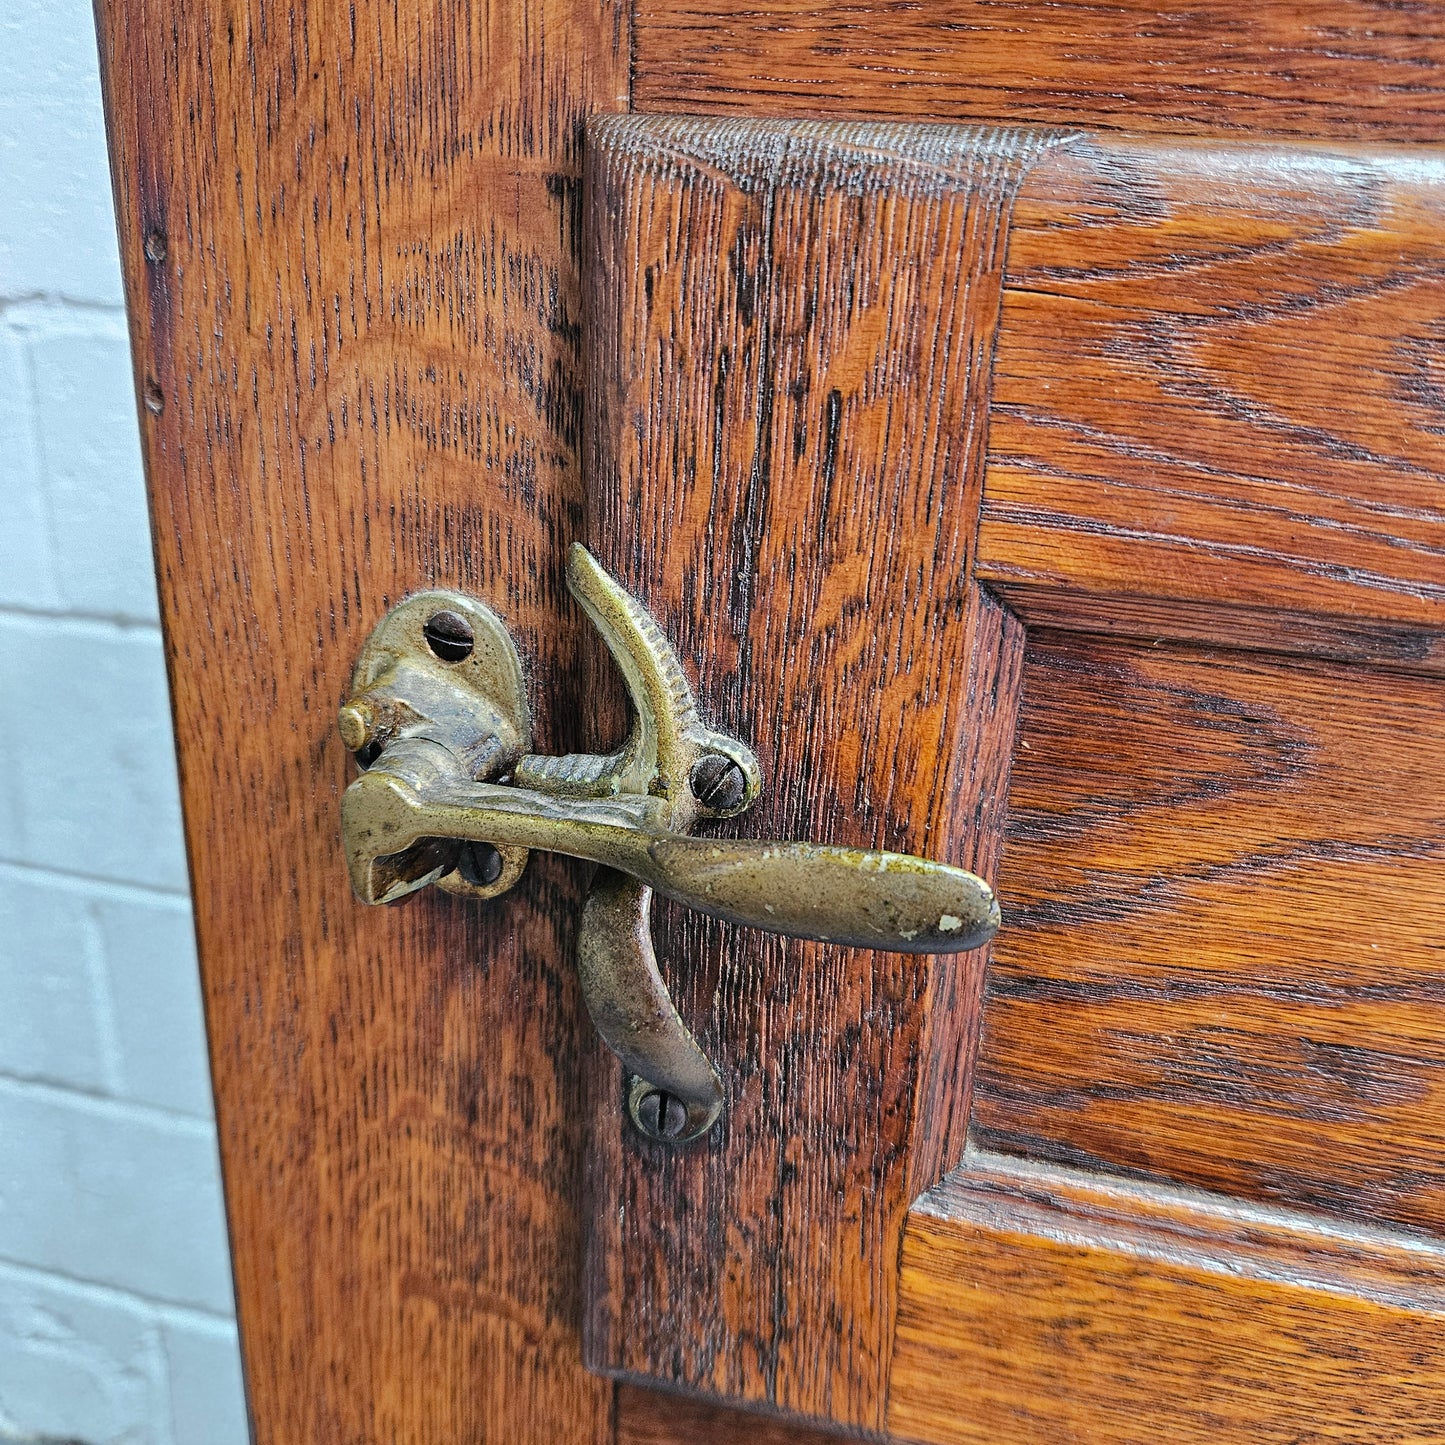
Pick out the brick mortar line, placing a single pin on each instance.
(94, 885)
(53, 302)
(109, 622)
(166, 1311)
(106, 1106)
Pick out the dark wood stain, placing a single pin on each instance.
(791, 485)
(1216, 404)
(646, 1417)
(1224, 966)
(365, 330)
(1337, 69)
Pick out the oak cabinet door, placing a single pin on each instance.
(1069, 505)
(1045, 476)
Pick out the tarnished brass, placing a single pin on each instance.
(439, 724)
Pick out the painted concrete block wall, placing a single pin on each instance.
(116, 1322)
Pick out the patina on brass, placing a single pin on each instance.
(443, 743)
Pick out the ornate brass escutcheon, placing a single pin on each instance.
(451, 794)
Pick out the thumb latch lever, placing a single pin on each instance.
(450, 794)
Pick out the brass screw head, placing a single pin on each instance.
(479, 864)
(449, 635)
(718, 783)
(660, 1115)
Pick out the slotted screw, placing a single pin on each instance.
(661, 1115)
(718, 783)
(449, 635)
(479, 864)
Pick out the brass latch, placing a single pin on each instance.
(451, 794)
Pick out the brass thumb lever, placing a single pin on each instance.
(450, 795)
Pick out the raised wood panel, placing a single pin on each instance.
(1218, 402)
(1223, 963)
(792, 327)
(349, 236)
(1215, 420)
(1043, 1306)
(1362, 69)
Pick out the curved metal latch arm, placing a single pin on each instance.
(449, 795)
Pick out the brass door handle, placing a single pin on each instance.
(450, 794)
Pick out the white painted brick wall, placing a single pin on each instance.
(116, 1320)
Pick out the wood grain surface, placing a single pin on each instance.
(350, 248)
(1357, 69)
(648, 1417)
(1044, 1306)
(792, 327)
(1214, 420)
(351, 240)
(1218, 405)
(1224, 963)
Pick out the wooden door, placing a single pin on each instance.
(1055, 490)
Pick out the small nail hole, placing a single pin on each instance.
(155, 398)
(449, 635)
(156, 246)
